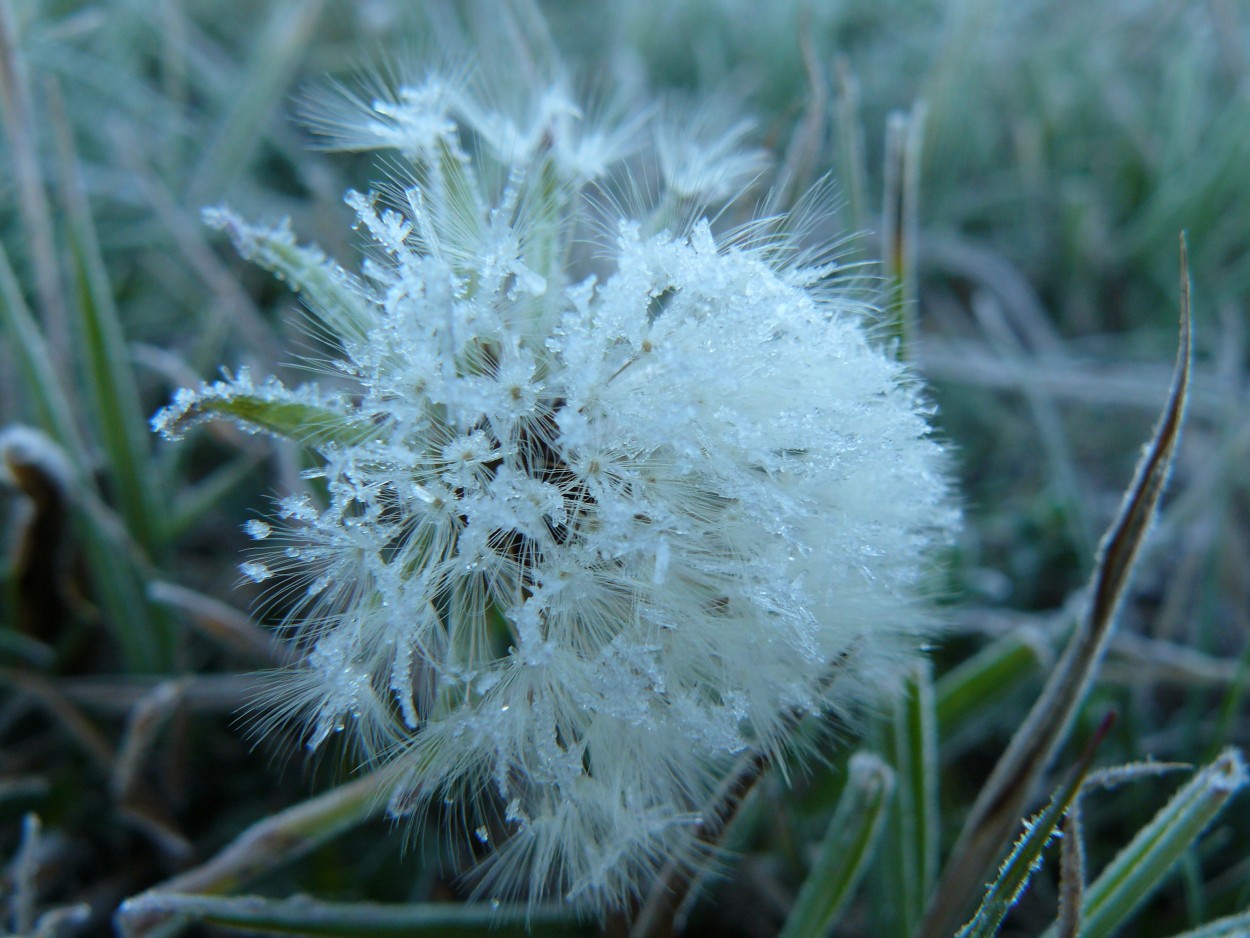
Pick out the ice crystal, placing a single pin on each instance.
(595, 523)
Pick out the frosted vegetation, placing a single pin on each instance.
(686, 486)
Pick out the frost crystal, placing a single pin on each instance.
(596, 521)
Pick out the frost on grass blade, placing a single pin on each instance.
(301, 414)
(336, 297)
(1025, 857)
(1132, 877)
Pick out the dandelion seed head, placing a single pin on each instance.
(591, 530)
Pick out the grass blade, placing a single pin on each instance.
(900, 221)
(116, 412)
(1044, 730)
(1026, 856)
(1137, 871)
(1234, 926)
(851, 163)
(38, 368)
(972, 688)
(268, 843)
(276, 53)
(1071, 873)
(845, 850)
(273, 409)
(304, 916)
(23, 141)
(912, 741)
(116, 585)
(146, 639)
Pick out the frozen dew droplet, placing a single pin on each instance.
(257, 530)
(255, 571)
(483, 834)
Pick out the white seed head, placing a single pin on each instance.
(608, 528)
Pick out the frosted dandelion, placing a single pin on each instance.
(597, 521)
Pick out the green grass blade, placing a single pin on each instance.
(845, 850)
(304, 916)
(145, 636)
(38, 371)
(111, 390)
(908, 863)
(115, 580)
(915, 758)
(922, 744)
(971, 689)
(1138, 870)
(39, 231)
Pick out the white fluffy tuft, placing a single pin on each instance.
(606, 532)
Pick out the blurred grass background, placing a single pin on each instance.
(1064, 147)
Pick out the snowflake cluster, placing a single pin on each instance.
(611, 498)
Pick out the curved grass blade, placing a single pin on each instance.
(845, 850)
(1034, 745)
(334, 296)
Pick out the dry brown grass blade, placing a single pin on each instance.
(1071, 873)
(987, 831)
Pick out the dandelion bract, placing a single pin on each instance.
(611, 496)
